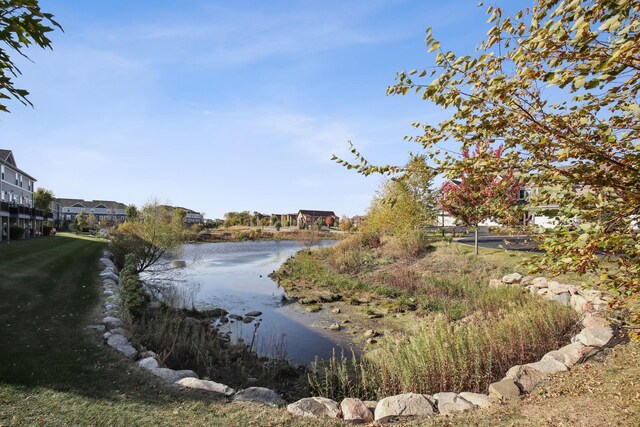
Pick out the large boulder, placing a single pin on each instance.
(166, 374)
(568, 355)
(595, 322)
(598, 336)
(525, 377)
(512, 279)
(110, 275)
(452, 403)
(404, 405)
(548, 366)
(478, 399)
(356, 411)
(578, 302)
(260, 394)
(314, 407)
(540, 282)
(562, 298)
(112, 322)
(121, 344)
(148, 363)
(504, 390)
(206, 385)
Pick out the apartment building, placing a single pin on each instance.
(17, 211)
(105, 211)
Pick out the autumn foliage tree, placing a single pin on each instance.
(557, 84)
(478, 195)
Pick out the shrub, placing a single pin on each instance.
(46, 230)
(16, 232)
(343, 377)
(133, 294)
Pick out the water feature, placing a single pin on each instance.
(234, 276)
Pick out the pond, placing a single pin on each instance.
(234, 276)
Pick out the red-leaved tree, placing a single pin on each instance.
(476, 196)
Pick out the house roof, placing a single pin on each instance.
(316, 213)
(6, 157)
(90, 203)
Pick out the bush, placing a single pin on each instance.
(46, 230)
(16, 232)
(133, 293)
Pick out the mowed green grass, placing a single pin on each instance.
(54, 372)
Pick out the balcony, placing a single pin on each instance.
(4, 207)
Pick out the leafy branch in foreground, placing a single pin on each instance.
(557, 85)
(22, 23)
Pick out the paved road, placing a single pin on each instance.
(495, 241)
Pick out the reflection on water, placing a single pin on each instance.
(234, 276)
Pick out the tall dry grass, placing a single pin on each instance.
(450, 356)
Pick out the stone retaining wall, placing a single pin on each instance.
(592, 306)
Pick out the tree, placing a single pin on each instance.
(22, 24)
(179, 215)
(81, 222)
(557, 84)
(92, 222)
(131, 213)
(345, 224)
(149, 237)
(479, 196)
(329, 221)
(42, 199)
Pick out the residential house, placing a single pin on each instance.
(16, 200)
(104, 210)
(289, 219)
(191, 217)
(307, 218)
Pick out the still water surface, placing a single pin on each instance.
(234, 276)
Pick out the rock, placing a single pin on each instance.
(577, 302)
(112, 322)
(557, 287)
(336, 311)
(562, 299)
(371, 340)
(185, 373)
(216, 312)
(235, 317)
(314, 407)
(540, 282)
(335, 327)
(121, 331)
(542, 292)
(224, 320)
(370, 333)
(356, 411)
(452, 403)
(568, 355)
(548, 366)
(166, 374)
(595, 322)
(121, 343)
(504, 390)
(109, 283)
(108, 292)
(526, 280)
(260, 394)
(97, 328)
(404, 405)
(375, 316)
(206, 385)
(598, 336)
(248, 319)
(526, 377)
(592, 294)
(495, 283)
(513, 278)
(106, 336)
(110, 275)
(148, 363)
(253, 314)
(480, 400)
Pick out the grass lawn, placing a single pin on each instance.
(54, 373)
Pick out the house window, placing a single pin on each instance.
(523, 194)
(16, 178)
(2, 171)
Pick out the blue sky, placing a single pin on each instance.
(221, 106)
